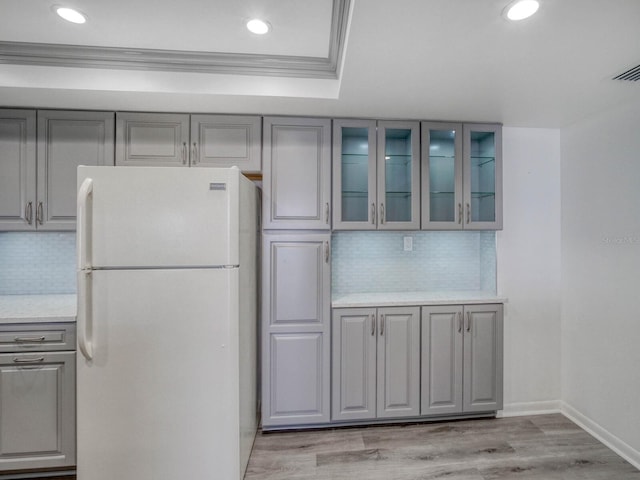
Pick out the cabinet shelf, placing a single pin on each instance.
(483, 160)
(482, 194)
(448, 157)
(397, 159)
(441, 193)
(352, 194)
(398, 194)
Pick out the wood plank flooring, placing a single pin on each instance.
(542, 447)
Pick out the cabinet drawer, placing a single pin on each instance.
(37, 337)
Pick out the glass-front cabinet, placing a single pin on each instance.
(376, 175)
(441, 176)
(461, 176)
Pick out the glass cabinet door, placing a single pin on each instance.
(442, 176)
(482, 177)
(354, 172)
(398, 175)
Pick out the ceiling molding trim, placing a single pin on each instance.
(78, 56)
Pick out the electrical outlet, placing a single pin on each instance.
(408, 244)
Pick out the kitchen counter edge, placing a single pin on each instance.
(37, 309)
(407, 299)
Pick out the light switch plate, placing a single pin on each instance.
(408, 244)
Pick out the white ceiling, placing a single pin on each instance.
(413, 59)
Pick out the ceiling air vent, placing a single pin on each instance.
(632, 74)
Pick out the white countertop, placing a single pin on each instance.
(393, 299)
(37, 308)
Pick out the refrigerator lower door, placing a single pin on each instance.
(159, 398)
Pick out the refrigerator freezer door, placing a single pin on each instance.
(159, 217)
(159, 399)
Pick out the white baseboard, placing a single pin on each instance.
(530, 408)
(627, 452)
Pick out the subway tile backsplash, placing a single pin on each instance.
(373, 262)
(37, 263)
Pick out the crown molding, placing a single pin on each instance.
(80, 56)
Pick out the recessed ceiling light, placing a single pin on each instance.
(70, 15)
(521, 9)
(257, 26)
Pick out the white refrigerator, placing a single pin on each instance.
(167, 314)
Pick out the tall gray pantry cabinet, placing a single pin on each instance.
(296, 272)
(38, 172)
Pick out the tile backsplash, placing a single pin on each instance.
(374, 262)
(37, 263)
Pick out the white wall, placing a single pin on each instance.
(529, 269)
(601, 276)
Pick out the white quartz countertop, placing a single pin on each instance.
(394, 299)
(37, 308)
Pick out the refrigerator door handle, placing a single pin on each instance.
(85, 318)
(85, 194)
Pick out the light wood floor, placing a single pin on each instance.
(543, 447)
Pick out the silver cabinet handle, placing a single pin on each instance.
(28, 360)
(28, 212)
(373, 324)
(39, 214)
(468, 213)
(326, 213)
(184, 153)
(459, 322)
(460, 214)
(195, 158)
(373, 213)
(382, 213)
(468, 321)
(28, 339)
(326, 252)
(381, 325)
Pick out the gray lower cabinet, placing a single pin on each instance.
(37, 397)
(38, 172)
(375, 363)
(461, 359)
(297, 173)
(182, 140)
(296, 329)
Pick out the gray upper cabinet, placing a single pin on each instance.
(17, 169)
(38, 175)
(158, 139)
(297, 173)
(295, 329)
(482, 179)
(375, 363)
(226, 141)
(461, 176)
(65, 141)
(442, 203)
(461, 359)
(376, 181)
(181, 140)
